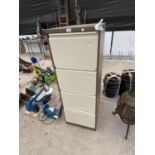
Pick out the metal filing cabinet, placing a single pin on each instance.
(77, 55)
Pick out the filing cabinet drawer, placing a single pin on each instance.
(82, 82)
(80, 118)
(79, 102)
(75, 50)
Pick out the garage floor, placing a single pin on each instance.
(60, 138)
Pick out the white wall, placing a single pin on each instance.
(123, 43)
(107, 43)
(34, 46)
(30, 36)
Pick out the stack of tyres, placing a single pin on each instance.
(111, 85)
(127, 81)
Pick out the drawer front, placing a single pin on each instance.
(79, 102)
(80, 118)
(81, 82)
(75, 50)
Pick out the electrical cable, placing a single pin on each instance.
(44, 119)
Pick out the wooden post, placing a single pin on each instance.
(77, 10)
(85, 16)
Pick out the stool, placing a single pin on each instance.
(126, 109)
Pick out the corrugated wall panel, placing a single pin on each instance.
(123, 43)
(107, 43)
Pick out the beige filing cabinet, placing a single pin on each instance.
(77, 56)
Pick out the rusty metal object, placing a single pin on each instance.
(126, 109)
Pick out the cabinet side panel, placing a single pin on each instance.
(101, 36)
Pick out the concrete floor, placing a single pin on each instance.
(60, 138)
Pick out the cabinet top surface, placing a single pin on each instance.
(73, 28)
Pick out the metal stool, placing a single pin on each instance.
(126, 109)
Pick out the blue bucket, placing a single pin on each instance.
(34, 60)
